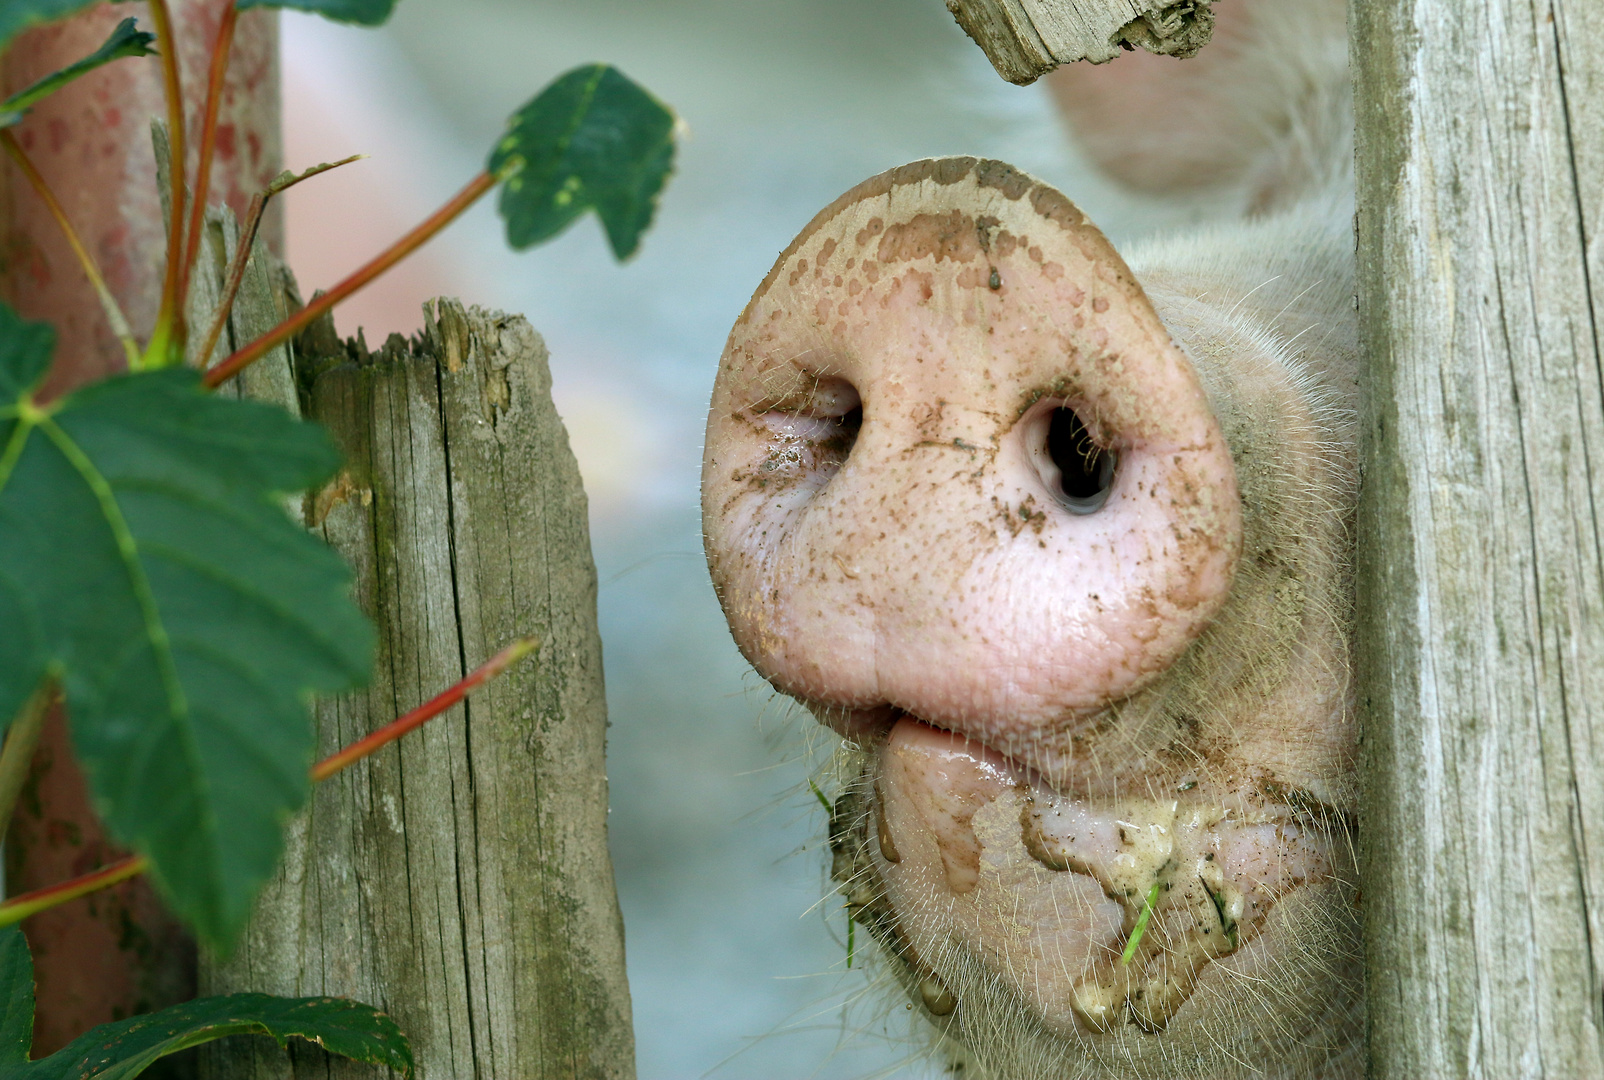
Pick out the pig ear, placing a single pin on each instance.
(1262, 115)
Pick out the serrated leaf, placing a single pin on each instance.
(125, 40)
(186, 616)
(18, 15)
(124, 1049)
(592, 139)
(365, 12)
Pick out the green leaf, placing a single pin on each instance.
(124, 1049)
(124, 41)
(18, 15)
(187, 616)
(366, 12)
(24, 357)
(16, 1000)
(593, 138)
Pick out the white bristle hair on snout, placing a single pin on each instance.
(1261, 300)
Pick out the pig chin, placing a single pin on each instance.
(1173, 916)
(1065, 559)
(1120, 929)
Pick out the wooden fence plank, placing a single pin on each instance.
(1481, 633)
(460, 880)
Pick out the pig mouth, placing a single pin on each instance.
(1104, 914)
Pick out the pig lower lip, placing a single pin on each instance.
(1047, 891)
(891, 518)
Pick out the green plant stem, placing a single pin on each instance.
(242, 256)
(108, 302)
(208, 144)
(244, 357)
(166, 344)
(22, 739)
(21, 907)
(436, 705)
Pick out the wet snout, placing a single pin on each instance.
(957, 468)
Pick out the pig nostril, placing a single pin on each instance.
(1085, 470)
(814, 431)
(836, 437)
(851, 423)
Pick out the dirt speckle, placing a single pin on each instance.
(944, 236)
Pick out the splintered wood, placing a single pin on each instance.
(1025, 39)
(458, 880)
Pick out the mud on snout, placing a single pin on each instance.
(1072, 589)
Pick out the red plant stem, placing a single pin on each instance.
(242, 255)
(170, 316)
(430, 709)
(208, 144)
(236, 275)
(20, 907)
(108, 302)
(244, 357)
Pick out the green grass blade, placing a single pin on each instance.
(1141, 924)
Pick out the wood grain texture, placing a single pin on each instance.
(1481, 634)
(1025, 39)
(460, 878)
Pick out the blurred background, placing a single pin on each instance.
(737, 966)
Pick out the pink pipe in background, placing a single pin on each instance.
(118, 953)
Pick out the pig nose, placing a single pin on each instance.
(957, 468)
(1071, 465)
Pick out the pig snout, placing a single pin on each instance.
(960, 470)
(1070, 578)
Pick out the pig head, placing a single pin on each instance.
(1060, 546)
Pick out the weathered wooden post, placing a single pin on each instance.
(1481, 632)
(460, 880)
(1025, 39)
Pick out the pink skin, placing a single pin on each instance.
(1048, 753)
(1213, 121)
(961, 874)
(1162, 126)
(1011, 614)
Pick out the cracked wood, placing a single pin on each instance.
(460, 879)
(1481, 633)
(1025, 39)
